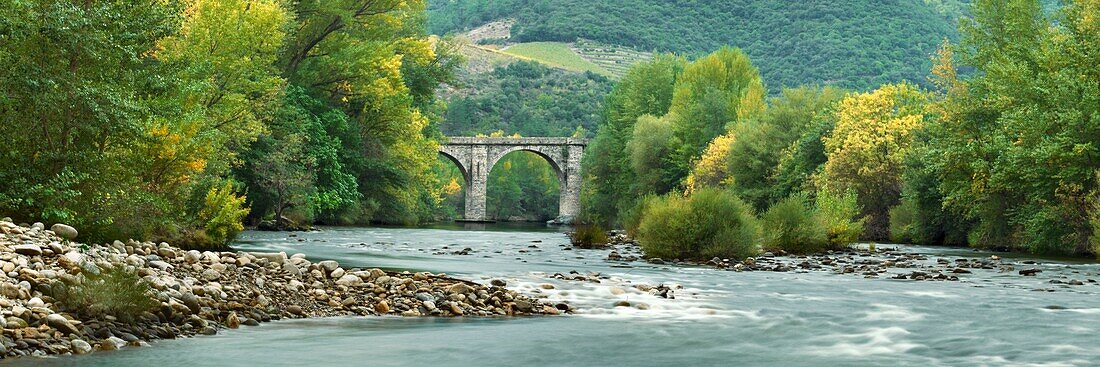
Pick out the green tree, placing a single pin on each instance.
(1017, 142)
(646, 89)
(713, 94)
(755, 154)
(649, 149)
(75, 89)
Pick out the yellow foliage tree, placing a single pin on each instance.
(712, 170)
(866, 149)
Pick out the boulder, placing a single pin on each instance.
(273, 257)
(80, 346)
(382, 307)
(233, 321)
(61, 324)
(64, 231)
(460, 288)
(349, 280)
(28, 249)
(329, 265)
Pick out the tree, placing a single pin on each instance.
(754, 157)
(75, 89)
(1016, 144)
(714, 94)
(867, 148)
(649, 150)
(285, 175)
(646, 89)
(712, 170)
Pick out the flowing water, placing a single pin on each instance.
(717, 318)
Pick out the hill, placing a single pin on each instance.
(849, 43)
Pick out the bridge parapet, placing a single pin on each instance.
(466, 140)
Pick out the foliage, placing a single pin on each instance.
(713, 94)
(754, 157)
(1014, 145)
(632, 218)
(857, 44)
(528, 99)
(73, 115)
(903, 221)
(646, 89)
(649, 148)
(802, 164)
(115, 291)
(555, 54)
(711, 170)
(588, 236)
(839, 213)
(708, 223)
(792, 226)
(866, 150)
(222, 214)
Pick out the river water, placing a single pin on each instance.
(718, 318)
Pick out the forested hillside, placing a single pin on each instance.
(855, 44)
(526, 98)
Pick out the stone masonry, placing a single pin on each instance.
(475, 157)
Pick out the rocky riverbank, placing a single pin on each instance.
(195, 293)
(882, 262)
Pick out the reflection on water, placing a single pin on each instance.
(716, 317)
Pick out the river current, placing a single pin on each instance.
(717, 318)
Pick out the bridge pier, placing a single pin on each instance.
(475, 157)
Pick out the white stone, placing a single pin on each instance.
(349, 280)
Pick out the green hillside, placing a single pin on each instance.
(850, 43)
(526, 98)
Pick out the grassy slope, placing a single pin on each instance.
(555, 54)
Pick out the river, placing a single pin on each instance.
(718, 318)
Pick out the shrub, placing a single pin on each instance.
(792, 225)
(903, 221)
(589, 236)
(222, 214)
(115, 291)
(837, 213)
(632, 218)
(708, 223)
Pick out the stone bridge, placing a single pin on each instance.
(475, 157)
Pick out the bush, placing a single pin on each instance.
(589, 236)
(837, 214)
(792, 225)
(116, 291)
(903, 221)
(632, 218)
(709, 223)
(222, 214)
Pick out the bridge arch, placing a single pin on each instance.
(457, 163)
(476, 156)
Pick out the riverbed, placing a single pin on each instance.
(716, 317)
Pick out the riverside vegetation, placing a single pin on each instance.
(999, 157)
